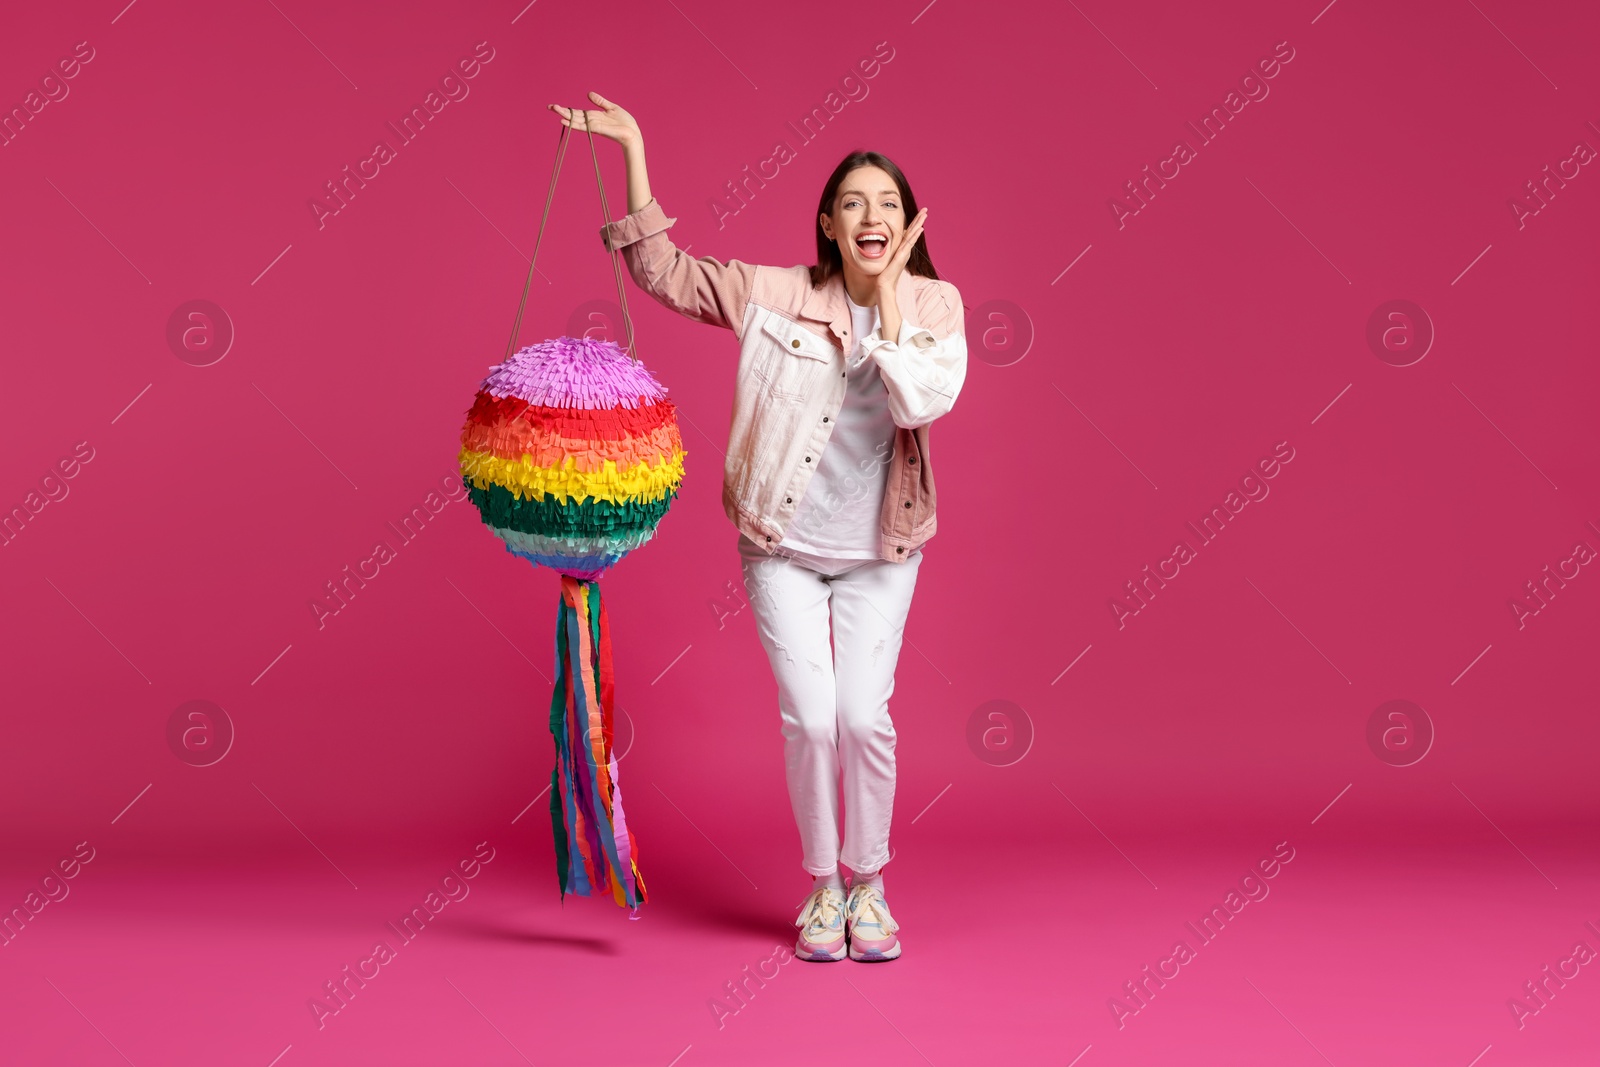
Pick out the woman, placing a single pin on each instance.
(843, 365)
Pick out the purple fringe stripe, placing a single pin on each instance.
(574, 372)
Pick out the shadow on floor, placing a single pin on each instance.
(474, 928)
(763, 924)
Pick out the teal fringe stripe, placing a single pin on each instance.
(555, 517)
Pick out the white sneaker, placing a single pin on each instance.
(821, 922)
(871, 927)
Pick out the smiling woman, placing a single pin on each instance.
(840, 364)
(867, 200)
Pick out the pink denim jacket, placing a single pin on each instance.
(793, 341)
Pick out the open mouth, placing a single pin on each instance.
(873, 245)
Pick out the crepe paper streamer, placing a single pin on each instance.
(571, 454)
(595, 850)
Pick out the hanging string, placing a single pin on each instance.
(605, 212)
(549, 198)
(616, 262)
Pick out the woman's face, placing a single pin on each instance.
(868, 221)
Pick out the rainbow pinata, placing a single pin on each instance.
(572, 455)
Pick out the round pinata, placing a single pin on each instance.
(572, 455)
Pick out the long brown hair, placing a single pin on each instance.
(829, 259)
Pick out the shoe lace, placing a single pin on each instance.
(868, 899)
(820, 911)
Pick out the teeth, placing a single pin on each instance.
(872, 237)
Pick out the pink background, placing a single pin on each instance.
(1229, 314)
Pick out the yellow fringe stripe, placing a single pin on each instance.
(639, 482)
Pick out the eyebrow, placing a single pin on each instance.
(858, 192)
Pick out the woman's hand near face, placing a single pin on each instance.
(889, 277)
(613, 122)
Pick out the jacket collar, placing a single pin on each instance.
(829, 305)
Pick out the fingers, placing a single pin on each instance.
(602, 101)
(908, 240)
(573, 118)
(913, 233)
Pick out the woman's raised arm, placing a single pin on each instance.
(619, 126)
(704, 289)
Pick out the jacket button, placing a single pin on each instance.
(844, 374)
(824, 418)
(795, 342)
(788, 500)
(808, 459)
(908, 503)
(769, 539)
(901, 549)
(912, 461)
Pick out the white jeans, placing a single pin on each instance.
(834, 701)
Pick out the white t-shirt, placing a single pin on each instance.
(840, 515)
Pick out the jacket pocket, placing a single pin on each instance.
(787, 362)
